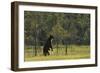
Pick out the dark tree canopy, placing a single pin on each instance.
(72, 28)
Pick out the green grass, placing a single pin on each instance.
(73, 52)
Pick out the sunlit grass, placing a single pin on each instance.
(73, 52)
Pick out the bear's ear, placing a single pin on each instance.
(51, 37)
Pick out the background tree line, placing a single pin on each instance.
(67, 28)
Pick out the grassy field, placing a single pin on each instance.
(71, 52)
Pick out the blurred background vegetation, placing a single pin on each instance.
(70, 28)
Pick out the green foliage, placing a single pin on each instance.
(72, 28)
